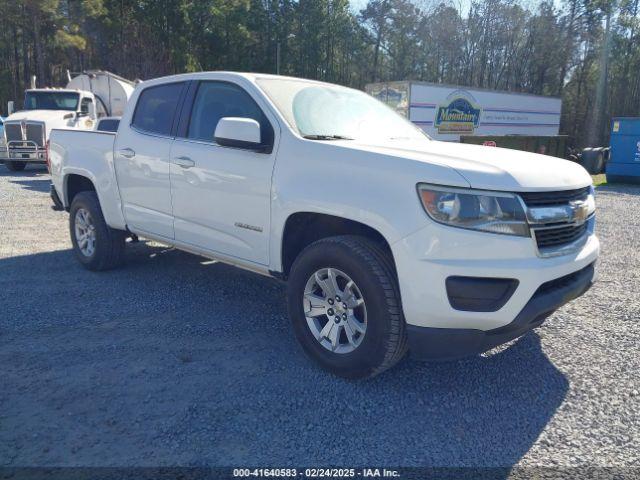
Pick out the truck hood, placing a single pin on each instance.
(40, 115)
(489, 168)
(51, 118)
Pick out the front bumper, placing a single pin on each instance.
(428, 257)
(29, 154)
(451, 343)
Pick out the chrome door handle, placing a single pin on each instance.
(184, 162)
(127, 153)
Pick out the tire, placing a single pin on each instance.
(592, 160)
(15, 166)
(599, 164)
(384, 342)
(108, 243)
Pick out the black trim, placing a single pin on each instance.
(185, 109)
(541, 199)
(177, 112)
(476, 294)
(230, 142)
(451, 343)
(57, 203)
(278, 275)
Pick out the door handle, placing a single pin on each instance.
(127, 153)
(184, 162)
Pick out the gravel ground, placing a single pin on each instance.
(173, 360)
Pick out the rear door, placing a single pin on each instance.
(221, 195)
(141, 159)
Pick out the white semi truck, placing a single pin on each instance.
(87, 97)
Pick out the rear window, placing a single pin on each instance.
(156, 108)
(108, 125)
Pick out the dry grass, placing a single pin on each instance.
(599, 180)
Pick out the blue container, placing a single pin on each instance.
(624, 163)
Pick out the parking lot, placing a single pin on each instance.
(176, 360)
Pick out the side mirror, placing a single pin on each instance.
(238, 133)
(10, 107)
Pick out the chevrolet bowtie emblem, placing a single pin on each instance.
(580, 211)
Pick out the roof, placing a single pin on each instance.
(252, 77)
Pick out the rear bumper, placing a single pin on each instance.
(450, 343)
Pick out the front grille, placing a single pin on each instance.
(540, 199)
(35, 133)
(13, 131)
(560, 235)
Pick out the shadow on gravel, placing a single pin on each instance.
(29, 171)
(36, 185)
(173, 360)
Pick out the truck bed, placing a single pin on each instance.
(88, 154)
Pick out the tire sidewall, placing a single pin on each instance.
(371, 352)
(89, 202)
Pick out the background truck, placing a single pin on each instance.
(487, 117)
(86, 98)
(387, 240)
(445, 112)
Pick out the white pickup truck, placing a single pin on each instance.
(388, 240)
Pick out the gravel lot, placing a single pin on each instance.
(173, 360)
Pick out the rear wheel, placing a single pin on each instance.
(96, 245)
(15, 166)
(345, 307)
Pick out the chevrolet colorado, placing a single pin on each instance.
(388, 240)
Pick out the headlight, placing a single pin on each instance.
(494, 212)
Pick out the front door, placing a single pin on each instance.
(221, 195)
(141, 157)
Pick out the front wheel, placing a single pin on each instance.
(15, 166)
(96, 245)
(345, 306)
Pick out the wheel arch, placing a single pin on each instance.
(303, 228)
(75, 180)
(75, 183)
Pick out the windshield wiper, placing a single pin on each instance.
(326, 137)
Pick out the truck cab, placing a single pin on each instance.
(87, 98)
(26, 131)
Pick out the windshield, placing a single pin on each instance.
(328, 112)
(51, 101)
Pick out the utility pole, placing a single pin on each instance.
(594, 131)
(278, 49)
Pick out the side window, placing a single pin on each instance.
(215, 100)
(156, 108)
(84, 105)
(108, 125)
